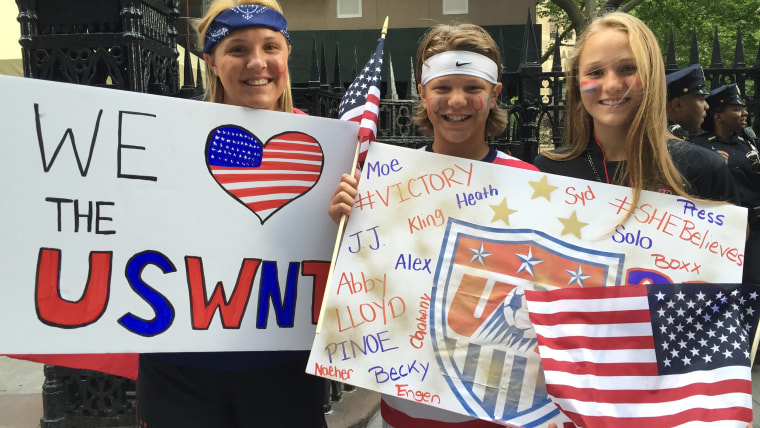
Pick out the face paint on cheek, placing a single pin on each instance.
(636, 84)
(588, 86)
(437, 101)
(474, 103)
(280, 67)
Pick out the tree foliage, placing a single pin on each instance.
(682, 17)
(663, 16)
(572, 16)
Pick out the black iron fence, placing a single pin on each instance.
(535, 99)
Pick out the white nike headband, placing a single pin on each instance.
(459, 62)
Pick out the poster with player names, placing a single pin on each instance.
(427, 303)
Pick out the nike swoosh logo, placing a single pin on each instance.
(459, 64)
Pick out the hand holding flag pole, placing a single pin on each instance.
(361, 104)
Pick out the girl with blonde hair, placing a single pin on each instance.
(616, 124)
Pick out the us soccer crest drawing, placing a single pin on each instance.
(265, 177)
(483, 340)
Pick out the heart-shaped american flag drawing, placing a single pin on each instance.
(263, 177)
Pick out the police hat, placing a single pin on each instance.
(690, 80)
(727, 95)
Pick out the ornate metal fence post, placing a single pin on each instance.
(124, 44)
(529, 96)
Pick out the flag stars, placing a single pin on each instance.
(727, 353)
(502, 212)
(572, 225)
(660, 295)
(577, 277)
(479, 255)
(528, 262)
(542, 188)
(686, 361)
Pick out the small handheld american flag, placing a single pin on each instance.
(361, 103)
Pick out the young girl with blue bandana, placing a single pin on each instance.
(246, 48)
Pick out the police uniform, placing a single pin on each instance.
(704, 172)
(744, 164)
(689, 80)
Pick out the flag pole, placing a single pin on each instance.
(343, 219)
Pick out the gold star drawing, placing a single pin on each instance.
(542, 188)
(572, 225)
(502, 212)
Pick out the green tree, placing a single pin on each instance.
(572, 16)
(682, 17)
(663, 16)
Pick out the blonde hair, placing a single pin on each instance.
(648, 163)
(214, 88)
(461, 37)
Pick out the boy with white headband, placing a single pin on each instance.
(459, 71)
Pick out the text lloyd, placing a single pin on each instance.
(53, 310)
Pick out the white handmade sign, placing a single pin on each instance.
(427, 298)
(140, 223)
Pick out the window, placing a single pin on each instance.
(349, 8)
(455, 7)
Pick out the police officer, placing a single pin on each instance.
(686, 107)
(726, 122)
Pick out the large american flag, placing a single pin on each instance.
(264, 177)
(361, 103)
(661, 355)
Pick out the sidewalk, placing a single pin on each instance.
(21, 399)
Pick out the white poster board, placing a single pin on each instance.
(427, 297)
(198, 226)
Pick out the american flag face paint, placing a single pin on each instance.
(608, 76)
(252, 65)
(476, 102)
(588, 86)
(458, 107)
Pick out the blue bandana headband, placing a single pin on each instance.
(239, 17)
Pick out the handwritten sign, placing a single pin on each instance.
(139, 223)
(427, 299)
